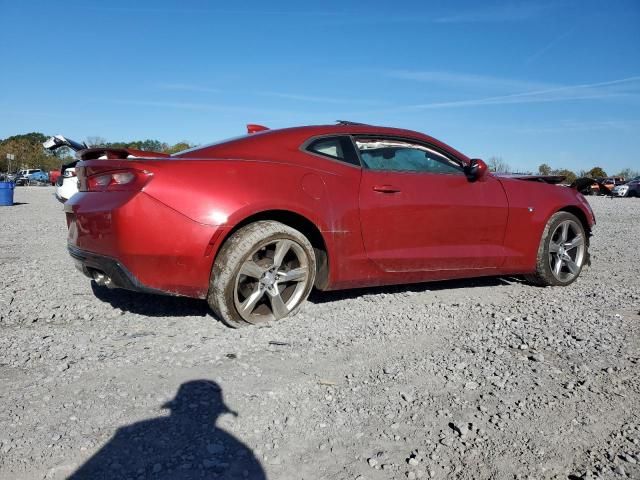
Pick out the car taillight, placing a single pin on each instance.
(116, 180)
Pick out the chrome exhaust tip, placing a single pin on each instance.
(102, 280)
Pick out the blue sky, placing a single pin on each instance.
(532, 82)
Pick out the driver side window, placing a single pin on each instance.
(402, 156)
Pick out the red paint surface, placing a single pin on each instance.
(428, 227)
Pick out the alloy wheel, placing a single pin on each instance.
(566, 251)
(271, 281)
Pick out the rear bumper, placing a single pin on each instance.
(108, 271)
(140, 243)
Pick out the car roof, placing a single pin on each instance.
(357, 129)
(293, 137)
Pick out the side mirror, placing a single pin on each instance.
(476, 170)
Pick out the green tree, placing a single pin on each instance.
(178, 147)
(569, 176)
(148, 145)
(151, 145)
(627, 173)
(28, 152)
(544, 169)
(596, 172)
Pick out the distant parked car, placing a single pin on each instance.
(67, 183)
(31, 176)
(629, 189)
(604, 185)
(53, 176)
(38, 178)
(593, 189)
(25, 173)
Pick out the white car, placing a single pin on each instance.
(629, 189)
(67, 183)
(22, 178)
(26, 173)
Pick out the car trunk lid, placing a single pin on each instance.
(104, 153)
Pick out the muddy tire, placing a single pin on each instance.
(264, 272)
(562, 253)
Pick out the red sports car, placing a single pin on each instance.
(252, 224)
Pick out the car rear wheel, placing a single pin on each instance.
(264, 272)
(562, 253)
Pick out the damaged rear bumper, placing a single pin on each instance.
(108, 272)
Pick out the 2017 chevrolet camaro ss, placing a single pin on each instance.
(252, 224)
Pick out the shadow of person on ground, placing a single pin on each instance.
(184, 445)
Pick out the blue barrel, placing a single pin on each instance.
(6, 194)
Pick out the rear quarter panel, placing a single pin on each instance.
(224, 192)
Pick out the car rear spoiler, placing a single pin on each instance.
(83, 152)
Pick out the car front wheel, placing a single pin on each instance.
(264, 272)
(563, 251)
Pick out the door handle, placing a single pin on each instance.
(386, 189)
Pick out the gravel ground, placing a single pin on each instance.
(462, 379)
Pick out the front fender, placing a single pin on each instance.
(531, 205)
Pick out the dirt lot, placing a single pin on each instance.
(474, 379)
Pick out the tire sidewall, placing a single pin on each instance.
(235, 251)
(543, 256)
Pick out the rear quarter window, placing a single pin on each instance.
(337, 147)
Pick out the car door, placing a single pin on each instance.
(419, 212)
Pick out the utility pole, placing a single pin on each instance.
(10, 157)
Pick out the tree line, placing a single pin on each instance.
(29, 152)
(498, 165)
